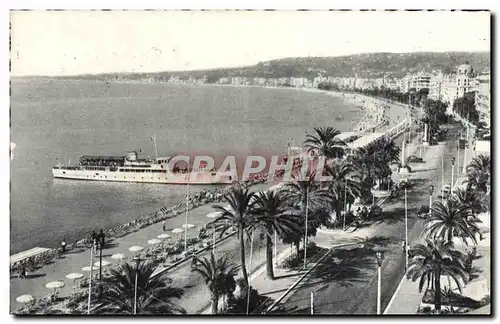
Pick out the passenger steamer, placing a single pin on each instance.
(130, 168)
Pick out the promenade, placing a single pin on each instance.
(196, 297)
(74, 261)
(407, 299)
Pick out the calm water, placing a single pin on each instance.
(55, 121)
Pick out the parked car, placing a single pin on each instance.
(375, 211)
(423, 212)
(414, 159)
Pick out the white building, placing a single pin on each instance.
(483, 100)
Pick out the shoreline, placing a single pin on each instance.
(368, 105)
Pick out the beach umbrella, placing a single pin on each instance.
(25, 299)
(154, 241)
(188, 226)
(118, 256)
(177, 230)
(103, 264)
(74, 276)
(55, 285)
(88, 269)
(136, 248)
(163, 236)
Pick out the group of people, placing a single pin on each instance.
(362, 212)
(98, 240)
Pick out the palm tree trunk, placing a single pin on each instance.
(242, 256)
(437, 292)
(215, 304)
(297, 247)
(269, 258)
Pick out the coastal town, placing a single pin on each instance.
(382, 206)
(447, 88)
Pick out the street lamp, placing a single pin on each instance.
(380, 257)
(406, 226)
(90, 279)
(137, 261)
(431, 191)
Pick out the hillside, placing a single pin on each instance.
(371, 65)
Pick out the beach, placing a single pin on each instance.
(56, 122)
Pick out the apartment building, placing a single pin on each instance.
(483, 101)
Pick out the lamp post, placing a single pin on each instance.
(90, 278)
(442, 178)
(406, 227)
(137, 261)
(431, 191)
(250, 267)
(464, 170)
(312, 303)
(452, 172)
(305, 235)
(187, 212)
(345, 203)
(380, 256)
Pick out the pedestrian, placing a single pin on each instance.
(63, 246)
(93, 240)
(24, 270)
(164, 224)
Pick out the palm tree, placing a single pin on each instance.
(219, 276)
(345, 181)
(449, 220)
(306, 194)
(369, 166)
(479, 181)
(237, 216)
(433, 260)
(325, 143)
(479, 173)
(274, 214)
(155, 295)
(472, 200)
(480, 163)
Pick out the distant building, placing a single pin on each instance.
(436, 87)
(419, 81)
(483, 101)
(457, 85)
(465, 79)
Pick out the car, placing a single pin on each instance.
(446, 190)
(423, 212)
(414, 159)
(375, 211)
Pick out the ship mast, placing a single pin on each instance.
(154, 141)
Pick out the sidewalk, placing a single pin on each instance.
(406, 298)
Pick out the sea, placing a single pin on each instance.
(56, 121)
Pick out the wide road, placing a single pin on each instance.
(346, 281)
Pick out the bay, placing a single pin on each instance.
(59, 120)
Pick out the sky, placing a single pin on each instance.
(89, 42)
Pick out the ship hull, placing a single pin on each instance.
(202, 178)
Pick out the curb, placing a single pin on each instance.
(255, 274)
(394, 295)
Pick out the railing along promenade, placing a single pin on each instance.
(48, 255)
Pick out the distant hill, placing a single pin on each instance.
(371, 65)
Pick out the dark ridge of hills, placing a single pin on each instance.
(370, 65)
